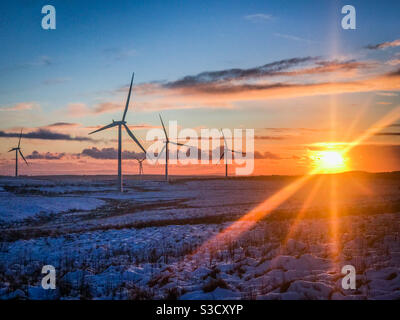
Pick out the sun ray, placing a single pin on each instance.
(306, 205)
(266, 207)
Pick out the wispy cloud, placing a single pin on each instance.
(43, 134)
(268, 69)
(283, 79)
(269, 138)
(110, 153)
(384, 45)
(267, 155)
(387, 94)
(62, 125)
(258, 17)
(294, 38)
(20, 106)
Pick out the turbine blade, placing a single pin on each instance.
(127, 100)
(20, 136)
(165, 131)
(105, 127)
(222, 155)
(233, 151)
(134, 138)
(23, 157)
(13, 149)
(160, 153)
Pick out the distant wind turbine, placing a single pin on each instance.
(225, 154)
(165, 147)
(18, 150)
(140, 161)
(121, 124)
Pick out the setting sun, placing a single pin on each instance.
(329, 161)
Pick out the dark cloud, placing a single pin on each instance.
(388, 134)
(269, 138)
(43, 134)
(238, 74)
(383, 45)
(267, 155)
(62, 124)
(211, 79)
(110, 153)
(46, 156)
(394, 73)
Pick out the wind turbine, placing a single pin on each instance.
(140, 161)
(18, 150)
(121, 124)
(225, 152)
(165, 147)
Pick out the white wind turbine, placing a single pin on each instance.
(140, 162)
(18, 150)
(165, 147)
(225, 154)
(121, 124)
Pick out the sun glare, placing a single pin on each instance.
(329, 161)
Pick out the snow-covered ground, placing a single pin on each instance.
(167, 241)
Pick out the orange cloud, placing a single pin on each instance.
(20, 106)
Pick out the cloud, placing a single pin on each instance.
(269, 138)
(388, 134)
(110, 153)
(283, 79)
(387, 94)
(211, 77)
(41, 61)
(296, 129)
(267, 155)
(228, 91)
(108, 107)
(45, 156)
(258, 17)
(295, 38)
(43, 134)
(384, 45)
(20, 106)
(62, 124)
(78, 110)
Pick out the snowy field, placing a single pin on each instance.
(162, 240)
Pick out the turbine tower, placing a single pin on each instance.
(140, 161)
(165, 147)
(121, 124)
(225, 153)
(18, 150)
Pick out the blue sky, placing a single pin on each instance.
(97, 44)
